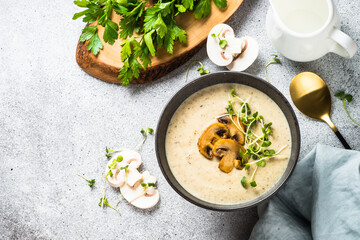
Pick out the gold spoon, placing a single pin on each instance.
(311, 96)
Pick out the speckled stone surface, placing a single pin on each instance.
(55, 121)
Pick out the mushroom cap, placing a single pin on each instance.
(136, 196)
(235, 133)
(229, 151)
(216, 54)
(247, 57)
(212, 134)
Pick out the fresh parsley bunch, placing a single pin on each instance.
(154, 26)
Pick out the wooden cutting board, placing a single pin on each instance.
(106, 65)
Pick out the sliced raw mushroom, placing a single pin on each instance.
(217, 55)
(142, 196)
(212, 134)
(229, 152)
(235, 133)
(247, 57)
(131, 158)
(132, 176)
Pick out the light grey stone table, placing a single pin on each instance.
(55, 121)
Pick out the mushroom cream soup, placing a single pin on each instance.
(201, 176)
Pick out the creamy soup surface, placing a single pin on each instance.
(200, 176)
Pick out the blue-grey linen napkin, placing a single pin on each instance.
(321, 200)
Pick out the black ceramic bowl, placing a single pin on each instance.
(213, 79)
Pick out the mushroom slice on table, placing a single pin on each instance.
(218, 55)
(132, 176)
(229, 151)
(235, 133)
(247, 57)
(140, 196)
(131, 158)
(212, 134)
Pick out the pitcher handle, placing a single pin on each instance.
(345, 47)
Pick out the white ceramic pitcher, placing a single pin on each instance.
(305, 30)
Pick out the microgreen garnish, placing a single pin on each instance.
(104, 201)
(222, 42)
(201, 69)
(115, 161)
(251, 181)
(257, 151)
(346, 98)
(155, 27)
(274, 60)
(108, 152)
(91, 182)
(125, 168)
(145, 132)
(147, 185)
(109, 173)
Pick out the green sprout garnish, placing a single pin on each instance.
(125, 168)
(104, 201)
(146, 132)
(222, 42)
(108, 152)
(274, 60)
(251, 181)
(91, 182)
(346, 98)
(257, 146)
(201, 69)
(115, 162)
(147, 185)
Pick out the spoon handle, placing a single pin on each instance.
(342, 140)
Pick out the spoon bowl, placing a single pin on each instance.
(311, 96)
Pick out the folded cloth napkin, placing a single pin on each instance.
(321, 200)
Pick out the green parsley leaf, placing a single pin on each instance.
(94, 45)
(149, 42)
(247, 166)
(110, 33)
(88, 33)
(143, 184)
(151, 184)
(221, 3)
(253, 183)
(81, 3)
(202, 9)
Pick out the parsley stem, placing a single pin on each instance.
(343, 100)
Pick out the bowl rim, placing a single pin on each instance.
(228, 207)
